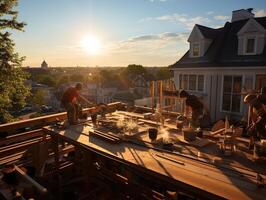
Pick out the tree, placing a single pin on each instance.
(13, 90)
(63, 80)
(37, 99)
(131, 72)
(77, 78)
(135, 70)
(49, 81)
(164, 73)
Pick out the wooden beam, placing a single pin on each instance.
(21, 137)
(26, 177)
(45, 120)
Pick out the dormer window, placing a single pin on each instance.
(250, 45)
(251, 38)
(196, 50)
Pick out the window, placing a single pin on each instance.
(180, 81)
(250, 45)
(185, 82)
(195, 50)
(191, 82)
(232, 93)
(200, 82)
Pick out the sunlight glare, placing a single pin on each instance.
(92, 45)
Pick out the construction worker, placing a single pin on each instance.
(199, 111)
(257, 128)
(262, 97)
(70, 102)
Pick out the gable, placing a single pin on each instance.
(195, 35)
(252, 26)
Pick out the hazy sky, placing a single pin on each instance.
(118, 32)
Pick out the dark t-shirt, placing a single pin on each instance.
(258, 107)
(69, 95)
(262, 99)
(194, 102)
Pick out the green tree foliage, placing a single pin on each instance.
(131, 72)
(77, 78)
(63, 80)
(13, 91)
(164, 73)
(37, 98)
(107, 78)
(46, 79)
(49, 81)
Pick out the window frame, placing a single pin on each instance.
(192, 49)
(181, 82)
(232, 94)
(246, 43)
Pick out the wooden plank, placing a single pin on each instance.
(45, 120)
(199, 142)
(21, 137)
(39, 187)
(104, 137)
(207, 177)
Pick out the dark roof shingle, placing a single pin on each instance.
(223, 51)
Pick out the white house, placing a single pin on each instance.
(222, 63)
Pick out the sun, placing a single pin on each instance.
(91, 44)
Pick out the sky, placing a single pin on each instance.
(93, 33)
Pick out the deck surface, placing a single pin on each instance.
(228, 177)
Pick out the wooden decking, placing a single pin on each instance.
(210, 175)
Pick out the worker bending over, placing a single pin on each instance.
(200, 114)
(256, 129)
(70, 100)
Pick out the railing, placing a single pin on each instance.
(15, 140)
(46, 120)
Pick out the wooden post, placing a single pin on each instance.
(172, 100)
(57, 164)
(161, 96)
(152, 95)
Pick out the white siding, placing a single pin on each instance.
(214, 85)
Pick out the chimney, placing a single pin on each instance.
(242, 14)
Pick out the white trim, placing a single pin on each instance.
(260, 28)
(196, 74)
(221, 97)
(222, 68)
(246, 38)
(195, 31)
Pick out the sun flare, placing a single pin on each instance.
(92, 45)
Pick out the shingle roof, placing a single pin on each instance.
(223, 50)
(208, 32)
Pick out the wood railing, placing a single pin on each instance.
(39, 122)
(16, 138)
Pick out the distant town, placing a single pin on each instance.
(129, 85)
